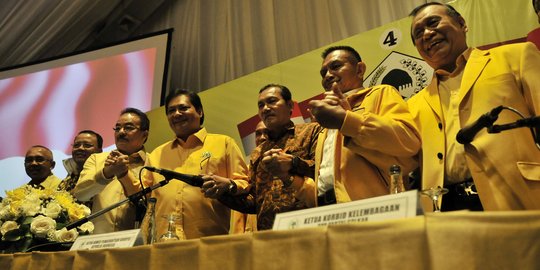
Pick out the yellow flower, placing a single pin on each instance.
(75, 212)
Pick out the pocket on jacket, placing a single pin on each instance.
(529, 170)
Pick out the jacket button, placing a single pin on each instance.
(440, 155)
(440, 125)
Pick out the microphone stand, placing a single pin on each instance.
(133, 198)
(532, 122)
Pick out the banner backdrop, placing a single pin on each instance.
(388, 52)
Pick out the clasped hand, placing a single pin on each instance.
(277, 163)
(116, 164)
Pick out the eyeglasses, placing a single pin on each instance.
(38, 160)
(126, 128)
(84, 145)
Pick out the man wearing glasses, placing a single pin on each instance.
(38, 164)
(105, 176)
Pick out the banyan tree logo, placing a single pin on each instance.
(406, 73)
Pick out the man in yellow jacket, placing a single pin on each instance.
(493, 171)
(367, 131)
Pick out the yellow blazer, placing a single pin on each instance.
(505, 166)
(377, 133)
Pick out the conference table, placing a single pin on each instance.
(451, 240)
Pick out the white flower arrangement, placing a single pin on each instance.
(31, 216)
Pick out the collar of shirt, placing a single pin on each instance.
(138, 157)
(461, 61)
(289, 130)
(193, 140)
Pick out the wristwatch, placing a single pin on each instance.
(294, 165)
(288, 181)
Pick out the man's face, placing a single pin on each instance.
(261, 133)
(128, 135)
(183, 118)
(274, 111)
(84, 145)
(38, 163)
(339, 72)
(438, 37)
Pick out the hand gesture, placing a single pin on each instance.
(331, 110)
(116, 164)
(277, 163)
(214, 186)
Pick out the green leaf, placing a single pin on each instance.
(27, 220)
(14, 235)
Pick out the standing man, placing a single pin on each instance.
(194, 151)
(38, 164)
(106, 177)
(86, 142)
(367, 131)
(493, 171)
(282, 168)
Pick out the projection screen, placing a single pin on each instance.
(49, 102)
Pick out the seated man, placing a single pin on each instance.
(86, 142)
(105, 178)
(281, 168)
(38, 163)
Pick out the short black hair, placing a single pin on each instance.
(285, 92)
(349, 49)
(99, 139)
(193, 98)
(450, 10)
(145, 122)
(536, 5)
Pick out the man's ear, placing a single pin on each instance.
(52, 164)
(290, 104)
(463, 24)
(360, 69)
(145, 136)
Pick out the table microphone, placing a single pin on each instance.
(194, 180)
(466, 134)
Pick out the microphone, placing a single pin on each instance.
(191, 179)
(466, 134)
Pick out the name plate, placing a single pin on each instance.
(394, 206)
(119, 239)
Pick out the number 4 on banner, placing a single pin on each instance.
(390, 38)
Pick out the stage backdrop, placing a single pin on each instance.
(388, 52)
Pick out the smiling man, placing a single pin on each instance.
(282, 167)
(86, 142)
(195, 151)
(38, 164)
(106, 177)
(367, 131)
(493, 171)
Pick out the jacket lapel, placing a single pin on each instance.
(432, 98)
(475, 65)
